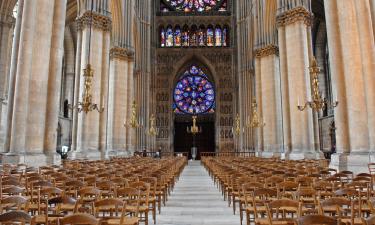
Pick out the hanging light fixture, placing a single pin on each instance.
(153, 130)
(318, 102)
(133, 123)
(255, 121)
(87, 105)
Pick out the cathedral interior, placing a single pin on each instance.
(281, 78)
(272, 87)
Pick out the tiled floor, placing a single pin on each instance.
(196, 201)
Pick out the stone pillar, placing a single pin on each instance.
(269, 103)
(352, 57)
(91, 127)
(119, 99)
(298, 126)
(7, 124)
(35, 110)
(6, 37)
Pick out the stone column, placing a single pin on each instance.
(91, 127)
(37, 78)
(6, 37)
(269, 103)
(7, 124)
(295, 79)
(120, 94)
(352, 57)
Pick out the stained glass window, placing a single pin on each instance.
(177, 36)
(194, 93)
(225, 37)
(193, 36)
(210, 37)
(162, 37)
(195, 5)
(201, 34)
(218, 36)
(169, 36)
(185, 36)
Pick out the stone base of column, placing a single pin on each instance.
(270, 154)
(297, 155)
(354, 161)
(89, 155)
(118, 153)
(32, 159)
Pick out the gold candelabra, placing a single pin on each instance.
(317, 103)
(256, 121)
(194, 130)
(87, 105)
(153, 130)
(133, 123)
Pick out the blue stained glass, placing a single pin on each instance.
(169, 37)
(194, 93)
(194, 5)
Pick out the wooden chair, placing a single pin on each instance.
(317, 220)
(256, 204)
(114, 212)
(281, 211)
(87, 197)
(14, 203)
(79, 219)
(369, 221)
(152, 181)
(15, 217)
(144, 190)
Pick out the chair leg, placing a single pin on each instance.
(154, 211)
(247, 218)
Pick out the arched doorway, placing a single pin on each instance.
(194, 95)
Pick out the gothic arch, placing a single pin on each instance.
(201, 61)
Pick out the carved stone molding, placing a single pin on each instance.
(98, 21)
(294, 15)
(121, 53)
(267, 51)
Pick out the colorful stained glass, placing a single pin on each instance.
(162, 37)
(210, 37)
(185, 36)
(194, 93)
(169, 37)
(225, 37)
(177, 37)
(218, 36)
(194, 5)
(193, 36)
(201, 34)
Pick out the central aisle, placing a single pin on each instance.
(196, 201)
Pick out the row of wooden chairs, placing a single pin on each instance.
(122, 186)
(265, 189)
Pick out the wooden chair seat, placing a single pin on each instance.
(265, 221)
(348, 221)
(126, 221)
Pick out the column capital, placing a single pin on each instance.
(121, 53)
(8, 21)
(265, 51)
(294, 15)
(98, 21)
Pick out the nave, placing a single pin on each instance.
(196, 201)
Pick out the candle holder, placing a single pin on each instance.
(317, 103)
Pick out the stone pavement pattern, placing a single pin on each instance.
(196, 201)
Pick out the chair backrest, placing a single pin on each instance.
(317, 220)
(15, 217)
(79, 219)
(114, 205)
(14, 202)
(283, 205)
(369, 221)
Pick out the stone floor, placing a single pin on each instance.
(196, 201)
